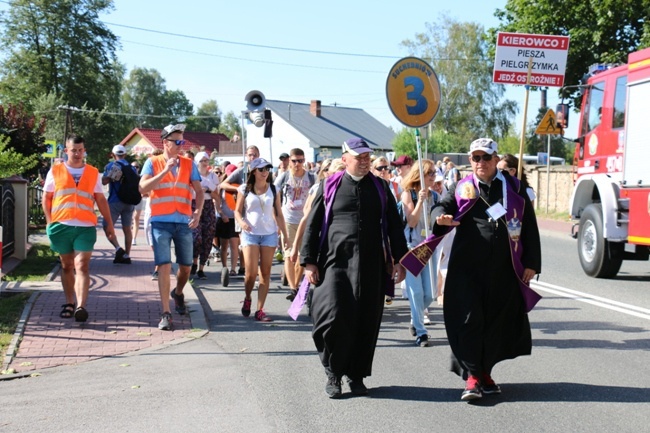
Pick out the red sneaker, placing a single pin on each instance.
(261, 316)
(472, 389)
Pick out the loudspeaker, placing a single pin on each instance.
(255, 100)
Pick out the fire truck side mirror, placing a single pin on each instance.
(562, 115)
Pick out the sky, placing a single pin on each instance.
(339, 52)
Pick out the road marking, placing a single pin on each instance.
(610, 304)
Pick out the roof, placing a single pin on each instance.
(334, 126)
(203, 140)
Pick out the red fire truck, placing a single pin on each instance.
(611, 195)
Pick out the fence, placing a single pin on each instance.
(34, 207)
(7, 210)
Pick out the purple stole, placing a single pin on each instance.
(332, 183)
(467, 193)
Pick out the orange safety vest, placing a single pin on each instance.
(71, 200)
(173, 194)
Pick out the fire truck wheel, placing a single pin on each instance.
(599, 257)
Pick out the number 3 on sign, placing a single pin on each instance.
(413, 92)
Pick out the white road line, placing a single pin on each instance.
(610, 304)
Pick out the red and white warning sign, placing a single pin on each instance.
(515, 50)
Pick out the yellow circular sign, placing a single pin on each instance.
(413, 92)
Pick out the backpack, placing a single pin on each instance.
(129, 192)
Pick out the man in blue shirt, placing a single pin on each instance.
(112, 176)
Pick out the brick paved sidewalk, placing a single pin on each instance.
(123, 307)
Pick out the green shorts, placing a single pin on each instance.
(66, 239)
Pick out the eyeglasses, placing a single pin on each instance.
(217, 172)
(431, 173)
(382, 168)
(263, 169)
(204, 160)
(177, 142)
(484, 157)
(297, 161)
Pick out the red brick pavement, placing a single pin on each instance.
(123, 308)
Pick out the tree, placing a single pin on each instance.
(230, 125)
(471, 105)
(145, 95)
(12, 162)
(61, 48)
(601, 31)
(207, 118)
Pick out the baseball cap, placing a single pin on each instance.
(355, 146)
(439, 178)
(260, 163)
(170, 129)
(487, 145)
(402, 160)
(118, 149)
(284, 155)
(230, 168)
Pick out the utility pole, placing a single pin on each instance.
(67, 128)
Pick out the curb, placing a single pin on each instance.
(12, 349)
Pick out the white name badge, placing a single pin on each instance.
(496, 211)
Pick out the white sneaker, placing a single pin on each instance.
(133, 242)
(427, 321)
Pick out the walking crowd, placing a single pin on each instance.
(354, 228)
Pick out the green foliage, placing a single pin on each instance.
(471, 105)
(11, 308)
(25, 133)
(601, 31)
(230, 125)
(61, 52)
(145, 92)
(207, 118)
(404, 143)
(12, 162)
(39, 263)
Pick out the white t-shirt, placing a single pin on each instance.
(295, 191)
(258, 212)
(76, 173)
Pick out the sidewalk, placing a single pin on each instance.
(123, 307)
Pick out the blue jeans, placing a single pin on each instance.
(163, 234)
(421, 292)
(248, 240)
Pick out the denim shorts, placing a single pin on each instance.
(65, 239)
(248, 240)
(122, 211)
(163, 234)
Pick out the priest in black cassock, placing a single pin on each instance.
(494, 255)
(351, 265)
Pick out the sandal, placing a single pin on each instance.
(67, 310)
(80, 314)
(233, 272)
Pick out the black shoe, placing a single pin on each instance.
(121, 257)
(80, 314)
(422, 341)
(193, 270)
(333, 387)
(292, 294)
(225, 277)
(201, 275)
(357, 387)
(242, 271)
(179, 300)
(412, 330)
(488, 386)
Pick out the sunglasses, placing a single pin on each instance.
(204, 160)
(263, 169)
(431, 173)
(176, 142)
(382, 168)
(484, 157)
(297, 161)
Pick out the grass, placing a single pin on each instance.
(39, 263)
(11, 308)
(558, 216)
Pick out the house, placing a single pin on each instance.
(318, 130)
(144, 141)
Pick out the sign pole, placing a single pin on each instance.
(523, 125)
(548, 169)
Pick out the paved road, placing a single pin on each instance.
(588, 372)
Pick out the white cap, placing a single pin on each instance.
(118, 149)
(487, 145)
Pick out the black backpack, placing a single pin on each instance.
(400, 208)
(129, 192)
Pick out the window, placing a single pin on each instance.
(592, 119)
(619, 103)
